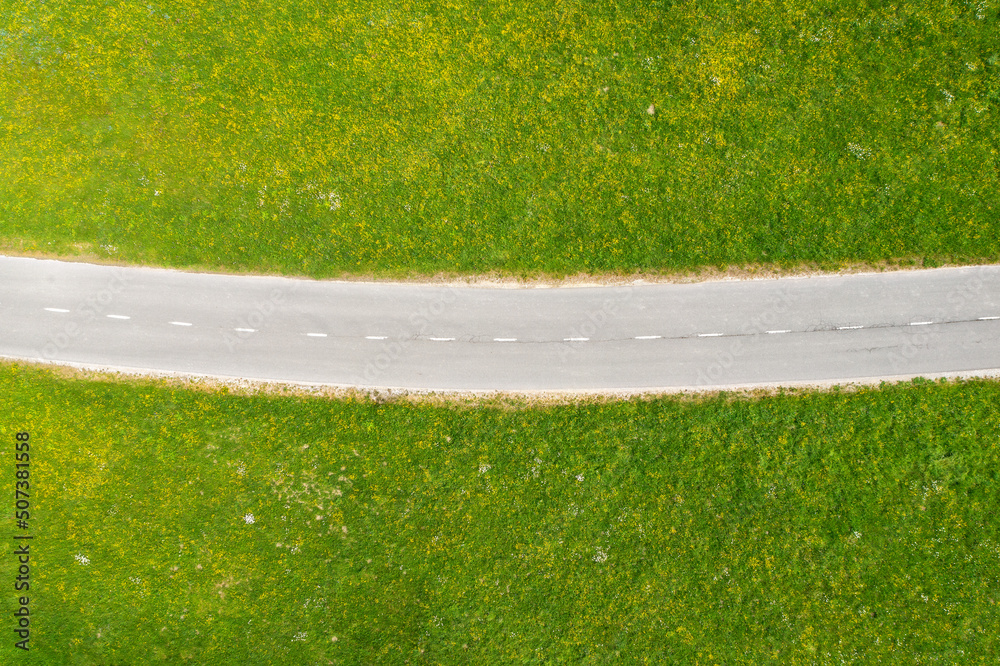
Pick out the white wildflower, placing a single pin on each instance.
(602, 556)
(859, 151)
(83, 559)
(249, 519)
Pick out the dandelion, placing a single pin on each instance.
(651, 110)
(82, 559)
(248, 519)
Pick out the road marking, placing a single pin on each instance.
(180, 323)
(56, 310)
(246, 330)
(316, 335)
(376, 337)
(988, 318)
(648, 337)
(118, 317)
(787, 330)
(504, 339)
(442, 339)
(709, 335)
(848, 328)
(575, 339)
(920, 323)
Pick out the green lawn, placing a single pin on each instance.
(410, 138)
(838, 527)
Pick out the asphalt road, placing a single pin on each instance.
(805, 330)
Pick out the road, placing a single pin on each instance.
(816, 330)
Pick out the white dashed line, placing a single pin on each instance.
(648, 337)
(920, 323)
(504, 339)
(376, 337)
(988, 318)
(118, 317)
(180, 323)
(246, 330)
(316, 335)
(709, 335)
(575, 339)
(56, 310)
(787, 330)
(849, 328)
(442, 339)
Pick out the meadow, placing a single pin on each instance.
(548, 137)
(180, 524)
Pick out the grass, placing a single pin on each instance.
(798, 528)
(412, 138)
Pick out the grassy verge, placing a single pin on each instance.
(794, 528)
(414, 138)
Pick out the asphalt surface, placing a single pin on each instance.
(817, 330)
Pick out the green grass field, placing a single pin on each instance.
(411, 138)
(838, 527)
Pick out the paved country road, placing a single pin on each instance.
(803, 330)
